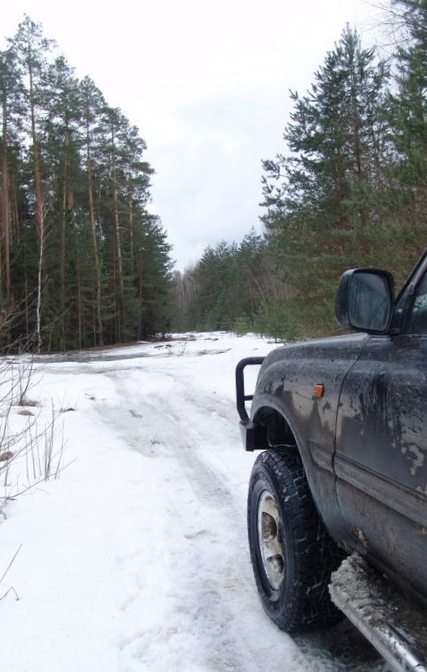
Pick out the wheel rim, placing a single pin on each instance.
(270, 539)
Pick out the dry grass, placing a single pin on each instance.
(31, 439)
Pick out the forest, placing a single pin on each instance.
(85, 263)
(347, 188)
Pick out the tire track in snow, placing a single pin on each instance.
(208, 616)
(209, 593)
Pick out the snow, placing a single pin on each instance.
(134, 557)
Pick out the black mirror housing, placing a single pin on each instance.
(365, 300)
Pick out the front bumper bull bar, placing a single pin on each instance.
(248, 429)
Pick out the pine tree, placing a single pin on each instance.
(225, 289)
(93, 104)
(408, 118)
(63, 135)
(12, 95)
(31, 48)
(81, 257)
(154, 284)
(320, 197)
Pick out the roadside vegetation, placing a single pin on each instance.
(83, 261)
(32, 445)
(348, 187)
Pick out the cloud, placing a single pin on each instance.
(208, 174)
(207, 83)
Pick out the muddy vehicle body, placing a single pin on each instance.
(337, 505)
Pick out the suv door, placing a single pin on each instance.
(381, 446)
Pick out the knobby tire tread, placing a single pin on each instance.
(305, 603)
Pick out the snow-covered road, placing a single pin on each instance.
(136, 558)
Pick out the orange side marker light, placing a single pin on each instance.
(319, 390)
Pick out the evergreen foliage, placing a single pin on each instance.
(226, 289)
(82, 261)
(321, 196)
(408, 129)
(348, 190)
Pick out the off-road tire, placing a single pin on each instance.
(292, 553)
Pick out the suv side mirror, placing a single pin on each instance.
(365, 300)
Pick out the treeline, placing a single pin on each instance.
(233, 287)
(349, 189)
(82, 261)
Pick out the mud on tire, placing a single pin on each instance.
(292, 554)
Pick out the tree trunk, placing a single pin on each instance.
(97, 265)
(38, 192)
(117, 223)
(6, 215)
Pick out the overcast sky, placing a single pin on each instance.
(207, 83)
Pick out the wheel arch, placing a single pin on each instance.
(280, 433)
(278, 430)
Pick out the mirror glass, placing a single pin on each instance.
(369, 306)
